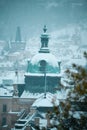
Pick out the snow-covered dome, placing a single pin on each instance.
(43, 71)
(38, 61)
(44, 60)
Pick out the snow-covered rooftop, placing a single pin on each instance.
(6, 91)
(58, 95)
(41, 74)
(12, 78)
(43, 123)
(47, 101)
(27, 94)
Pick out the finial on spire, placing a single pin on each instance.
(44, 41)
(44, 29)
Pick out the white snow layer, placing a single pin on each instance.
(50, 59)
(11, 78)
(8, 91)
(47, 101)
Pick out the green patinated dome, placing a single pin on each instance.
(36, 65)
(44, 60)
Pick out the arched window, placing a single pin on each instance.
(42, 67)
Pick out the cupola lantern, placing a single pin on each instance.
(44, 41)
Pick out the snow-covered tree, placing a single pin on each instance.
(72, 112)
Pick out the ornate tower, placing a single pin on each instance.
(44, 41)
(43, 73)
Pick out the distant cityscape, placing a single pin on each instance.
(24, 86)
(39, 41)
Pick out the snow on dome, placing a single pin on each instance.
(48, 57)
(47, 101)
(51, 63)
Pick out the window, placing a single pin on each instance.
(4, 108)
(3, 121)
(42, 66)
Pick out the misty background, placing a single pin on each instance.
(31, 15)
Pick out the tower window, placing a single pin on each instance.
(42, 66)
(4, 107)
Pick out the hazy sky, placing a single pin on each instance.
(31, 15)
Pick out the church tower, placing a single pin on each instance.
(18, 44)
(18, 35)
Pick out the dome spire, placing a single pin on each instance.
(44, 41)
(44, 29)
